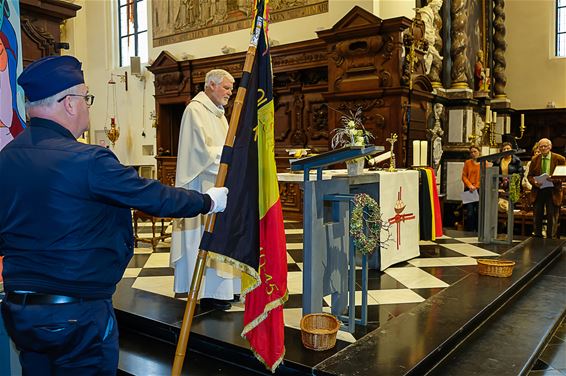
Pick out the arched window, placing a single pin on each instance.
(561, 28)
(132, 21)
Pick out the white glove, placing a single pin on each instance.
(219, 197)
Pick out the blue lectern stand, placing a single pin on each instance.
(326, 240)
(489, 197)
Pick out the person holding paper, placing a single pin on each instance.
(546, 192)
(471, 179)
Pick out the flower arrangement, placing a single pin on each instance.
(352, 132)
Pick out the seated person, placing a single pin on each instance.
(508, 165)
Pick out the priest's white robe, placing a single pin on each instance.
(201, 139)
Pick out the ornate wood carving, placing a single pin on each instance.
(354, 64)
(40, 24)
(459, 14)
(500, 46)
(42, 41)
(436, 67)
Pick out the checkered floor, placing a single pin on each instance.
(392, 292)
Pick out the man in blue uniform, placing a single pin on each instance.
(66, 230)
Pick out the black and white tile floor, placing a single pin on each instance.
(392, 292)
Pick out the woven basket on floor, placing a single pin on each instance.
(318, 331)
(495, 268)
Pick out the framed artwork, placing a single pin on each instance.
(181, 20)
(11, 95)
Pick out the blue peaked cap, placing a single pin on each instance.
(50, 75)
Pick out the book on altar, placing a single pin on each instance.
(543, 181)
(470, 196)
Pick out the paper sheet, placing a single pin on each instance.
(470, 196)
(542, 179)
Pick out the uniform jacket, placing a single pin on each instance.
(65, 219)
(535, 169)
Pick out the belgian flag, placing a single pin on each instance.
(250, 233)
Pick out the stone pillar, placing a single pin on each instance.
(436, 68)
(459, 14)
(499, 47)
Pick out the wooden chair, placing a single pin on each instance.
(156, 236)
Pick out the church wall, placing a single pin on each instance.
(91, 36)
(534, 76)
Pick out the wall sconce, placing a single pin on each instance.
(123, 78)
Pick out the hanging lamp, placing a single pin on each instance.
(113, 131)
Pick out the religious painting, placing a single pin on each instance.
(181, 20)
(11, 96)
(477, 30)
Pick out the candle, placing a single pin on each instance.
(424, 153)
(522, 120)
(487, 114)
(416, 152)
(507, 121)
(494, 117)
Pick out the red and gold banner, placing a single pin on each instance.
(250, 232)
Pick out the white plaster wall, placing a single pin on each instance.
(92, 36)
(394, 8)
(296, 30)
(534, 76)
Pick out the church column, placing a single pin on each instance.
(459, 14)
(436, 67)
(499, 44)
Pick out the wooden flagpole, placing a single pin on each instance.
(210, 219)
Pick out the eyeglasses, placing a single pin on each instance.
(89, 98)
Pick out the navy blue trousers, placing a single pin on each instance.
(64, 339)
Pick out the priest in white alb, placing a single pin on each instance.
(201, 139)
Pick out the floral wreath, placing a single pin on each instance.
(514, 188)
(366, 214)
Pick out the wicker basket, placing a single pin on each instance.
(495, 268)
(318, 331)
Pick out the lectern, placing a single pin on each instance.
(489, 198)
(326, 217)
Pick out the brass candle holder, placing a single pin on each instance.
(392, 141)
